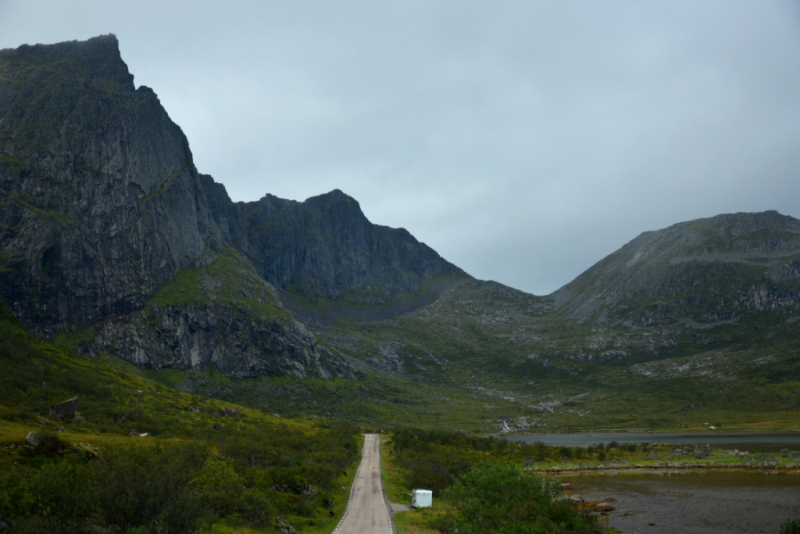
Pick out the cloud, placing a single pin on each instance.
(523, 141)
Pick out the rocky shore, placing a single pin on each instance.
(672, 457)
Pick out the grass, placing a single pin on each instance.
(514, 353)
(229, 278)
(114, 398)
(376, 401)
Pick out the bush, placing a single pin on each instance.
(218, 486)
(148, 486)
(501, 498)
(54, 498)
(791, 526)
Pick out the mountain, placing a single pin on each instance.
(695, 321)
(112, 243)
(325, 248)
(701, 271)
(108, 229)
(100, 202)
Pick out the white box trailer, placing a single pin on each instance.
(421, 498)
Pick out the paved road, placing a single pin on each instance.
(367, 511)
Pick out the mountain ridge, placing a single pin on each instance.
(102, 208)
(111, 238)
(762, 249)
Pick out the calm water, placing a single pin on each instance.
(752, 442)
(691, 502)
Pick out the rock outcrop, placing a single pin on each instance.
(235, 340)
(64, 410)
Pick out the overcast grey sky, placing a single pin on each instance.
(523, 141)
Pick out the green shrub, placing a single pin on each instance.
(218, 485)
(54, 498)
(791, 526)
(502, 498)
(144, 486)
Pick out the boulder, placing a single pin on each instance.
(65, 410)
(34, 439)
(229, 412)
(604, 507)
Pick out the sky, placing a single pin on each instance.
(522, 140)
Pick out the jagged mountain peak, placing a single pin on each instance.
(102, 210)
(334, 195)
(325, 247)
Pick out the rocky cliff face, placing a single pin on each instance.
(234, 339)
(706, 271)
(102, 211)
(325, 247)
(223, 314)
(99, 199)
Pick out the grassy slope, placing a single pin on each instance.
(482, 354)
(380, 400)
(515, 349)
(230, 278)
(115, 399)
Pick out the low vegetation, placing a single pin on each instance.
(791, 526)
(143, 458)
(464, 472)
(483, 484)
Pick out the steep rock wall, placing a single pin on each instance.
(99, 199)
(326, 247)
(233, 339)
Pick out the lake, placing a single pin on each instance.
(695, 502)
(690, 501)
(753, 442)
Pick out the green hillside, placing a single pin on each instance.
(142, 457)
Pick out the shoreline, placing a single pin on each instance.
(792, 468)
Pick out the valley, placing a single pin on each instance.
(240, 349)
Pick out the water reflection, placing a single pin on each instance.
(695, 502)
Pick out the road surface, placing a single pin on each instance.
(367, 510)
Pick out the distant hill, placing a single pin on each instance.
(703, 271)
